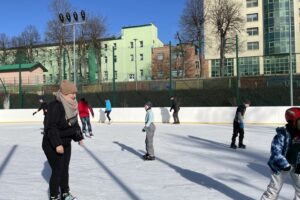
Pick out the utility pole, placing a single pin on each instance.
(135, 63)
(20, 86)
(114, 78)
(170, 61)
(290, 51)
(238, 85)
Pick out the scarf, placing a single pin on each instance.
(70, 107)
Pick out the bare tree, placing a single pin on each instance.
(57, 33)
(192, 22)
(4, 45)
(30, 37)
(95, 30)
(226, 19)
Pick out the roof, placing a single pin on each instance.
(24, 67)
(125, 27)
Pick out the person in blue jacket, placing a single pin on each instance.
(108, 109)
(285, 156)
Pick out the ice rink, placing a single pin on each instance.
(193, 162)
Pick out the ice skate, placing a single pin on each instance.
(54, 198)
(91, 134)
(242, 146)
(144, 156)
(149, 157)
(233, 146)
(68, 196)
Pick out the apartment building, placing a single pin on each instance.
(131, 53)
(264, 41)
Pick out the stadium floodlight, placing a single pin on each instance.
(68, 16)
(61, 18)
(75, 16)
(73, 24)
(82, 13)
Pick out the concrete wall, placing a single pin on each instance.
(254, 115)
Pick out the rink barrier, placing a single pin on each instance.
(189, 115)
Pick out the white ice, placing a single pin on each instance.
(193, 162)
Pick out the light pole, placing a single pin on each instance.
(290, 52)
(73, 24)
(237, 69)
(135, 63)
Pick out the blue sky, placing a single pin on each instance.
(165, 14)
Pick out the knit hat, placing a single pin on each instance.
(67, 87)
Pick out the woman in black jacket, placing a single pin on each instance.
(61, 127)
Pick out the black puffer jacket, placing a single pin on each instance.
(57, 129)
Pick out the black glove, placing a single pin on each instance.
(286, 169)
(33, 113)
(297, 169)
(78, 134)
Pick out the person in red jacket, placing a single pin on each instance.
(84, 108)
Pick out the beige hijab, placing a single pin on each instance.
(70, 107)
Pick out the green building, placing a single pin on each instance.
(132, 55)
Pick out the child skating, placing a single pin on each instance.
(149, 129)
(285, 156)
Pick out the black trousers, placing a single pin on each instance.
(59, 164)
(107, 115)
(237, 131)
(175, 117)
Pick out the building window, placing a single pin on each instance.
(142, 72)
(115, 46)
(131, 57)
(141, 44)
(174, 56)
(252, 3)
(106, 75)
(141, 56)
(115, 58)
(278, 64)
(131, 45)
(105, 59)
(252, 45)
(249, 66)
(160, 56)
(105, 47)
(131, 77)
(228, 67)
(252, 17)
(36, 52)
(252, 31)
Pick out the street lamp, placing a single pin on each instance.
(73, 23)
(290, 55)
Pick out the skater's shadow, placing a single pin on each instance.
(118, 181)
(46, 174)
(206, 181)
(129, 149)
(208, 141)
(165, 115)
(102, 117)
(6, 160)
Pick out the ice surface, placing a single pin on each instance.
(193, 162)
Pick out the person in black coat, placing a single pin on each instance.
(61, 128)
(238, 125)
(43, 106)
(176, 108)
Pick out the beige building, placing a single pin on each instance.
(264, 42)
